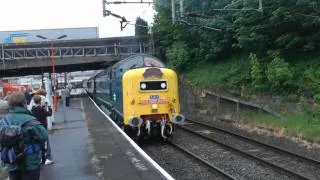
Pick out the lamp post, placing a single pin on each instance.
(55, 99)
(2, 57)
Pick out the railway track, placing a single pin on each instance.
(283, 161)
(181, 163)
(201, 160)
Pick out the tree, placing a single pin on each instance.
(178, 56)
(279, 74)
(285, 25)
(141, 27)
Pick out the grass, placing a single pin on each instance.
(228, 73)
(232, 76)
(300, 125)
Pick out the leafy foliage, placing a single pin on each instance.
(311, 78)
(281, 26)
(210, 45)
(256, 72)
(141, 28)
(178, 56)
(279, 74)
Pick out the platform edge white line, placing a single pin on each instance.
(144, 154)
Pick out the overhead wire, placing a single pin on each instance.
(124, 22)
(224, 9)
(199, 25)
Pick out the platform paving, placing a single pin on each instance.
(70, 147)
(86, 146)
(115, 157)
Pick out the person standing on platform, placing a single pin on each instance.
(41, 112)
(69, 86)
(42, 93)
(28, 95)
(26, 165)
(67, 91)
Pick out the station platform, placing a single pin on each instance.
(86, 145)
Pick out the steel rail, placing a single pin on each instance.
(276, 167)
(228, 176)
(258, 142)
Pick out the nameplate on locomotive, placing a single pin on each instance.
(155, 101)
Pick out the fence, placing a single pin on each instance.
(204, 104)
(233, 109)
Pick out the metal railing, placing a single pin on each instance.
(200, 103)
(77, 51)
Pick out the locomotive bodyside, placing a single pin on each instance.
(90, 86)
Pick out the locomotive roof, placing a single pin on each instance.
(134, 61)
(140, 60)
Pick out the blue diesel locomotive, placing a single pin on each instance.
(140, 95)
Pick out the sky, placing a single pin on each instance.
(52, 14)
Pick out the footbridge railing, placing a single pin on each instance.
(80, 51)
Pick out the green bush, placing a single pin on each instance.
(279, 75)
(311, 80)
(232, 74)
(256, 72)
(237, 76)
(178, 56)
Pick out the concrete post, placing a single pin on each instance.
(140, 44)
(49, 100)
(115, 49)
(181, 8)
(2, 57)
(218, 105)
(65, 79)
(63, 97)
(238, 111)
(173, 9)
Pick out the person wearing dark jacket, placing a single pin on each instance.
(18, 114)
(41, 112)
(28, 95)
(67, 96)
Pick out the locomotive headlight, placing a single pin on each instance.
(163, 85)
(143, 86)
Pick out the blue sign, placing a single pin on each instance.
(17, 38)
(26, 36)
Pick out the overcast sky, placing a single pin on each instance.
(51, 14)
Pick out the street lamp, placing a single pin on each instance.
(55, 100)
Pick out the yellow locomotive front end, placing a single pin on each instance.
(151, 101)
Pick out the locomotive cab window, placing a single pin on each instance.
(153, 85)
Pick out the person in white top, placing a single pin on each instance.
(42, 93)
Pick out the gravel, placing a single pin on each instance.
(231, 162)
(178, 164)
(295, 164)
(283, 143)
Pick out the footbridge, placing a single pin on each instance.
(72, 55)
